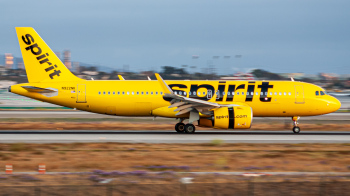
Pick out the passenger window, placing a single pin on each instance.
(322, 93)
(199, 93)
(265, 93)
(142, 93)
(161, 93)
(233, 93)
(184, 93)
(256, 93)
(228, 93)
(137, 92)
(104, 92)
(175, 92)
(242, 93)
(317, 93)
(280, 93)
(284, 93)
(156, 92)
(194, 92)
(113, 92)
(237, 93)
(223, 92)
(118, 93)
(203, 93)
(151, 92)
(270, 93)
(123, 93)
(99, 92)
(109, 92)
(289, 93)
(275, 93)
(127, 93)
(132, 92)
(261, 93)
(190, 93)
(147, 93)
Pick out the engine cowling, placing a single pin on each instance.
(239, 117)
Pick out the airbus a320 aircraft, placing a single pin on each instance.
(217, 104)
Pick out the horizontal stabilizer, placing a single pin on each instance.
(38, 89)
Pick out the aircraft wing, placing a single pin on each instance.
(184, 104)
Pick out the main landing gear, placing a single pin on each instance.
(295, 119)
(181, 127)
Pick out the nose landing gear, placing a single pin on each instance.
(295, 119)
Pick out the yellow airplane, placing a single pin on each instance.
(217, 104)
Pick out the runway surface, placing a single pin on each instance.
(85, 136)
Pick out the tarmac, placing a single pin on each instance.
(87, 136)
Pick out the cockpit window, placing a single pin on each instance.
(322, 92)
(317, 93)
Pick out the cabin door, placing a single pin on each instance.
(209, 94)
(299, 94)
(81, 93)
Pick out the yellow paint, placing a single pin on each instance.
(145, 98)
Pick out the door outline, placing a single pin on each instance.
(209, 94)
(81, 93)
(218, 94)
(299, 94)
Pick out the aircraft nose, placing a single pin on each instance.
(333, 104)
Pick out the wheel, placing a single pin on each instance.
(296, 129)
(180, 127)
(190, 128)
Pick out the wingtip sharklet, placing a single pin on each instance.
(165, 87)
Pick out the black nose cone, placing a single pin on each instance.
(9, 89)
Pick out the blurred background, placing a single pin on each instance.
(228, 40)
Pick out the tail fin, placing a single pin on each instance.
(41, 63)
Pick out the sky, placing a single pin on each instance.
(281, 36)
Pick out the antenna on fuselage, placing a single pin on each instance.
(292, 79)
(148, 78)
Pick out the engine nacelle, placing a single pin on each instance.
(239, 117)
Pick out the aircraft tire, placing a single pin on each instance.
(190, 128)
(296, 129)
(180, 127)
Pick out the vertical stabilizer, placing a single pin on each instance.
(41, 63)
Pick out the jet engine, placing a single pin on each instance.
(239, 117)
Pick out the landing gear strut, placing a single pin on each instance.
(295, 119)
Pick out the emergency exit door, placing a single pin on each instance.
(81, 93)
(299, 94)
